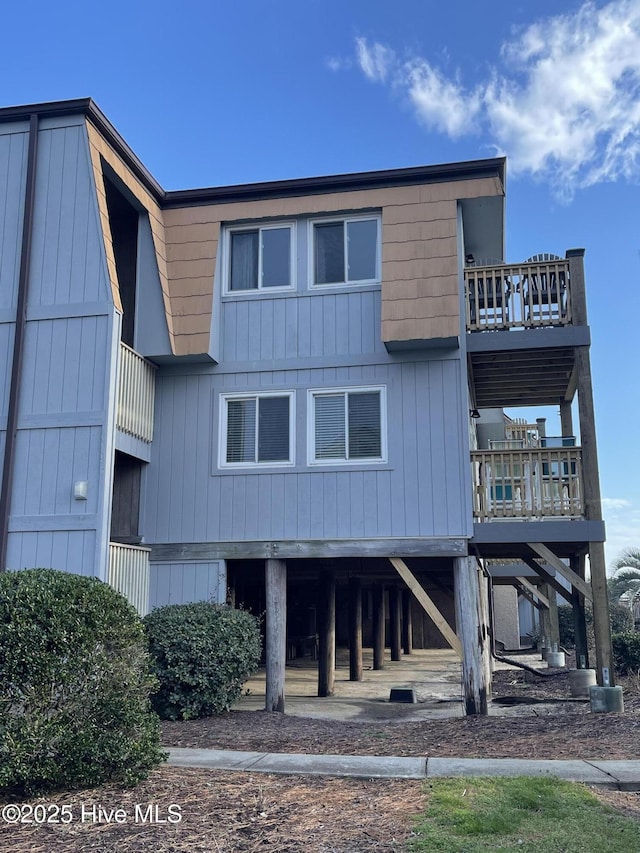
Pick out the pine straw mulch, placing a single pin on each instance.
(229, 812)
(547, 725)
(240, 812)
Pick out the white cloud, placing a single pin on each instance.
(375, 60)
(565, 104)
(441, 103)
(336, 63)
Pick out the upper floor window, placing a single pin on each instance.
(347, 425)
(256, 429)
(346, 250)
(260, 257)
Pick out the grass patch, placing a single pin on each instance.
(524, 813)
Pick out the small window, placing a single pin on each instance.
(260, 257)
(346, 251)
(347, 426)
(256, 429)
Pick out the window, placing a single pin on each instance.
(259, 257)
(256, 429)
(346, 251)
(347, 425)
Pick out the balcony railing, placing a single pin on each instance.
(136, 394)
(534, 483)
(520, 296)
(129, 574)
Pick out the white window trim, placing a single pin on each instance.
(226, 266)
(344, 219)
(312, 393)
(224, 398)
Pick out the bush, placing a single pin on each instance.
(620, 618)
(203, 653)
(565, 622)
(74, 685)
(626, 652)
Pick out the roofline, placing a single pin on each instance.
(353, 181)
(466, 170)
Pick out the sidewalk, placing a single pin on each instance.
(618, 775)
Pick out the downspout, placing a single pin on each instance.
(18, 341)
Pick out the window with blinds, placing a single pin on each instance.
(257, 429)
(347, 426)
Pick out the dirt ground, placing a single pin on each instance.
(228, 812)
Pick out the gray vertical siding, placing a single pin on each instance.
(301, 326)
(182, 583)
(66, 396)
(419, 492)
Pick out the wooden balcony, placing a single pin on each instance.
(136, 394)
(518, 296)
(129, 574)
(532, 483)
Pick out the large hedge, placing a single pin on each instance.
(74, 685)
(620, 618)
(626, 652)
(203, 653)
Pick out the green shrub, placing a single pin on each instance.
(74, 685)
(626, 652)
(620, 618)
(203, 654)
(565, 622)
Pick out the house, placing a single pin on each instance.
(268, 393)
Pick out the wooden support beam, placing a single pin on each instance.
(548, 577)
(395, 623)
(407, 626)
(276, 633)
(579, 617)
(327, 633)
(530, 598)
(524, 583)
(438, 619)
(555, 562)
(378, 626)
(355, 629)
(473, 634)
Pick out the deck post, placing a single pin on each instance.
(395, 624)
(407, 626)
(473, 635)
(327, 633)
(579, 616)
(554, 625)
(378, 626)
(276, 632)
(355, 629)
(591, 481)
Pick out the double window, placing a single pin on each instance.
(346, 250)
(347, 426)
(342, 250)
(260, 258)
(257, 429)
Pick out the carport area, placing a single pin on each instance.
(434, 674)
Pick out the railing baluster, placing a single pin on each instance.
(136, 393)
(534, 482)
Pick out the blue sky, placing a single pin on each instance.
(211, 93)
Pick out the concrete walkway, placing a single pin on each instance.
(618, 775)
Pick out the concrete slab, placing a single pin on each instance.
(574, 771)
(352, 766)
(625, 773)
(218, 759)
